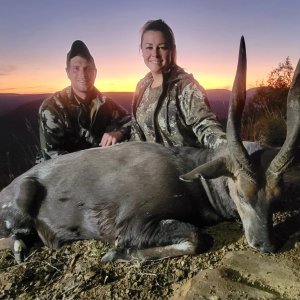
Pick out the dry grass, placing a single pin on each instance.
(265, 126)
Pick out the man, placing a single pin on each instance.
(79, 116)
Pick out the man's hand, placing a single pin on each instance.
(111, 138)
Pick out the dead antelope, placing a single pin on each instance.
(130, 195)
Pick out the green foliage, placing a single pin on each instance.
(264, 115)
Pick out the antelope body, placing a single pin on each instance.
(134, 195)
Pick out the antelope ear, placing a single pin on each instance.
(210, 170)
(25, 194)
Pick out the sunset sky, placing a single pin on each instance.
(36, 35)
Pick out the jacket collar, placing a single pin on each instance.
(175, 74)
(74, 100)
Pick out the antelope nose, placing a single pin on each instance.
(265, 247)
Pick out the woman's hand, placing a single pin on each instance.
(110, 138)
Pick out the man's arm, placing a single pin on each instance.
(52, 131)
(119, 127)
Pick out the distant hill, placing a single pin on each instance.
(219, 100)
(123, 98)
(9, 102)
(19, 125)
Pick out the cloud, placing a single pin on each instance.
(24, 88)
(7, 69)
(9, 88)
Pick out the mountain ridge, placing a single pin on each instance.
(218, 99)
(19, 126)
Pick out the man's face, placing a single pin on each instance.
(82, 74)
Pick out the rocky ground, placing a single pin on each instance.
(230, 270)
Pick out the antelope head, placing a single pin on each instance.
(254, 183)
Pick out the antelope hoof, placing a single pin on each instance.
(19, 250)
(116, 254)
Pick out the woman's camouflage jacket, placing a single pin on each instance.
(182, 116)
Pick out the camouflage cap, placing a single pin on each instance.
(79, 48)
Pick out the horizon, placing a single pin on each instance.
(129, 92)
(34, 46)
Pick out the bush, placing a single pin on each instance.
(265, 126)
(265, 114)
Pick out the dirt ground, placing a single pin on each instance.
(230, 270)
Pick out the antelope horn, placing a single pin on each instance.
(238, 152)
(286, 154)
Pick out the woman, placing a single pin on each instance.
(169, 105)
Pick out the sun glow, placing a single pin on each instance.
(117, 84)
(214, 82)
(50, 82)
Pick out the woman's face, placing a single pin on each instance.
(156, 53)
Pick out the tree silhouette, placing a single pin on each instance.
(264, 116)
(281, 77)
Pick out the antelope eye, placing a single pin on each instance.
(5, 228)
(8, 224)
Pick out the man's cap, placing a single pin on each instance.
(79, 48)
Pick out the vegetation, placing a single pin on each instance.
(265, 114)
(20, 153)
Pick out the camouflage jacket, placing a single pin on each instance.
(68, 125)
(181, 115)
